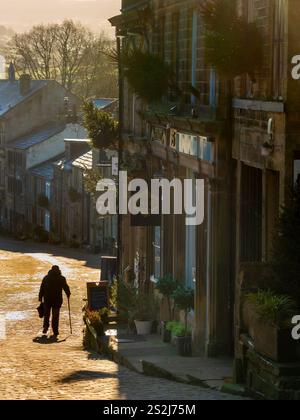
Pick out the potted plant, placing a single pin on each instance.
(102, 128)
(183, 337)
(148, 74)
(144, 313)
(166, 286)
(184, 301)
(269, 324)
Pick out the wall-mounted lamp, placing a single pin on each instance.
(268, 147)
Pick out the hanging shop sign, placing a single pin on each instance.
(197, 146)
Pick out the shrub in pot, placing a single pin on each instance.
(96, 326)
(184, 301)
(183, 337)
(166, 286)
(144, 313)
(269, 319)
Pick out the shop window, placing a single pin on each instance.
(251, 215)
(48, 190)
(47, 221)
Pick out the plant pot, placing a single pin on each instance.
(274, 343)
(143, 327)
(184, 346)
(165, 334)
(270, 340)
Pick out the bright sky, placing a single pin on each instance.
(21, 14)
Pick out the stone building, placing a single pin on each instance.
(32, 112)
(265, 150)
(23, 208)
(186, 136)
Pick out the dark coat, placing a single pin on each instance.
(51, 289)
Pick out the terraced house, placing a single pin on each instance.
(185, 135)
(242, 137)
(265, 149)
(34, 121)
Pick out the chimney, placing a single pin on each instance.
(25, 84)
(11, 73)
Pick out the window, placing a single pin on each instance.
(278, 48)
(161, 36)
(1, 175)
(2, 134)
(47, 221)
(11, 159)
(48, 190)
(251, 215)
(176, 45)
(14, 186)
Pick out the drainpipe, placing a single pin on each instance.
(121, 145)
(208, 263)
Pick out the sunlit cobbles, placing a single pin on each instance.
(2, 326)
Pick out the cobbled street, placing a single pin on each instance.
(30, 369)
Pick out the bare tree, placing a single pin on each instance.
(34, 51)
(72, 42)
(69, 53)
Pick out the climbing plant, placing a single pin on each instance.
(148, 74)
(233, 45)
(102, 128)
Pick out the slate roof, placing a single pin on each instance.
(37, 136)
(10, 95)
(84, 161)
(46, 169)
(102, 103)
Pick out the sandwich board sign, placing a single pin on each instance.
(98, 295)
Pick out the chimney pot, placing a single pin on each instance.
(11, 73)
(25, 84)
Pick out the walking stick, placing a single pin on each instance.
(70, 319)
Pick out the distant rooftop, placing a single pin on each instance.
(77, 140)
(102, 103)
(10, 95)
(46, 169)
(37, 136)
(84, 161)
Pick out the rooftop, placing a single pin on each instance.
(102, 103)
(37, 136)
(46, 169)
(84, 161)
(10, 94)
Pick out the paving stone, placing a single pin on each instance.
(37, 369)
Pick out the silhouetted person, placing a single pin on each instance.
(51, 294)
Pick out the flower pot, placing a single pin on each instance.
(270, 340)
(165, 334)
(184, 346)
(143, 327)
(275, 343)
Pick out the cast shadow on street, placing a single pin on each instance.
(86, 375)
(46, 340)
